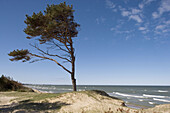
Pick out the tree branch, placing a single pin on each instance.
(50, 54)
(36, 60)
(51, 60)
(59, 47)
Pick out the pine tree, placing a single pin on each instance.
(55, 29)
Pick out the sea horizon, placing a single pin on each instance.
(97, 84)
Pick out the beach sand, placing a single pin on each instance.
(72, 102)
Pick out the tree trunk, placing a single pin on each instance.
(73, 66)
(74, 83)
(73, 75)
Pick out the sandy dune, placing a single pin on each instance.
(73, 102)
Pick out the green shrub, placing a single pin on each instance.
(8, 84)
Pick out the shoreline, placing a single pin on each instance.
(138, 97)
(81, 101)
(128, 104)
(137, 106)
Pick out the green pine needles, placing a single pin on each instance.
(20, 55)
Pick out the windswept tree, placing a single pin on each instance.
(54, 29)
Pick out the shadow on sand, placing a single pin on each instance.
(27, 106)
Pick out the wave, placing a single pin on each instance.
(65, 89)
(43, 91)
(50, 92)
(162, 100)
(151, 103)
(49, 88)
(162, 91)
(128, 95)
(81, 90)
(44, 88)
(140, 100)
(157, 96)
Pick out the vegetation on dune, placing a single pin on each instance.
(94, 101)
(8, 84)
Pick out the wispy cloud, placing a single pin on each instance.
(160, 27)
(155, 15)
(136, 18)
(141, 6)
(142, 28)
(167, 22)
(163, 27)
(148, 1)
(132, 13)
(111, 5)
(135, 11)
(126, 13)
(164, 7)
(150, 28)
(145, 3)
(100, 20)
(147, 38)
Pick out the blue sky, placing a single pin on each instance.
(120, 42)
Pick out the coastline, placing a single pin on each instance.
(137, 96)
(81, 101)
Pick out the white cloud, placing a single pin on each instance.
(155, 15)
(144, 3)
(148, 1)
(100, 20)
(163, 28)
(135, 11)
(166, 30)
(133, 14)
(142, 28)
(167, 22)
(97, 20)
(112, 29)
(110, 4)
(149, 29)
(164, 7)
(121, 9)
(126, 1)
(114, 10)
(147, 38)
(160, 27)
(141, 6)
(127, 37)
(126, 13)
(136, 18)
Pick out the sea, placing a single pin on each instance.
(134, 96)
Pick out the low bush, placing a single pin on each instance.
(8, 84)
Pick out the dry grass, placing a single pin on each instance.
(72, 102)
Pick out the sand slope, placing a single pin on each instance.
(73, 102)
